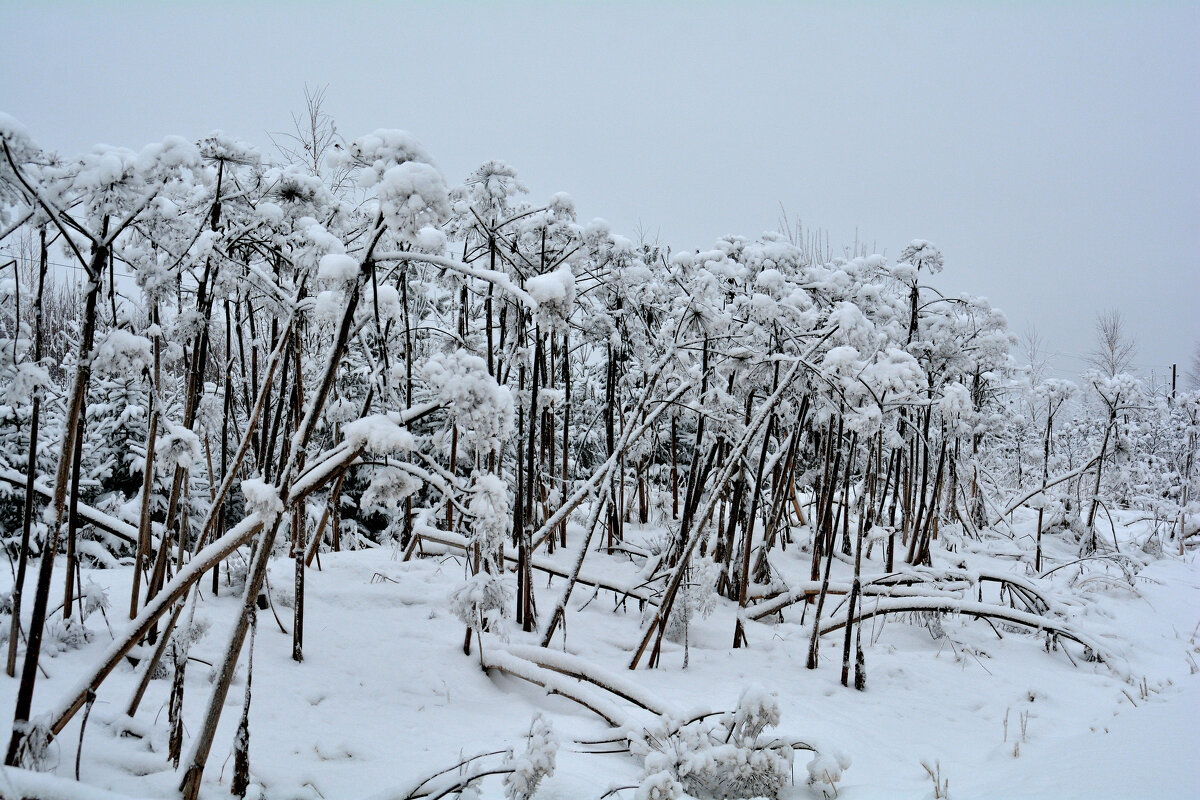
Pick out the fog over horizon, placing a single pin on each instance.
(1049, 151)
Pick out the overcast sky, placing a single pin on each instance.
(1051, 151)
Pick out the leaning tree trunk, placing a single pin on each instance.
(657, 626)
(739, 634)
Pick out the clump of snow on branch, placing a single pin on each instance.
(554, 294)
(956, 407)
(480, 602)
(337, 267)
(661, 785)
(923, 255)
(27, 378)
(757, 710)
(825, 770)
(725, 758)
(412, 193)
(262, 499)
(483, 408)
(122, 353)
(379, 434)
(413, 197)
(491, 517)
(388, 488)
(179, 447)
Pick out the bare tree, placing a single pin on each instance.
(1114, 347)
(1035, 351)
(314, 134)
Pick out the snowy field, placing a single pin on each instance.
(385, 695)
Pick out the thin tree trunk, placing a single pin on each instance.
(1091, 517)
(41, 598)
(73, 516)
(299, 521)
(241, 741)
(739, 634)
(827, 526)
(30, 471)
(1037, 561)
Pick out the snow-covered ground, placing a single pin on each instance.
(385, 695)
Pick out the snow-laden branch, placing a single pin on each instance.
(495, 277)
(808, 589)
(631, 435)
(1075, 473)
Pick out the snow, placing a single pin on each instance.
(378, 433)
(262, 498)
(87, 512)
(414, 198)
(481, 406)
(385, 694)
(431, 240)
(490, 508)
(481, 597)
(27, 783)
(10, 128)
(387, 301)
(922, 254)
(122, 353)
(270, 212)
(977, 670)
(535, 763)
(179, 448)
(557, 287)
(388, 487)
(337, 267)
(378, 151)
(27, 378)
(554, 293)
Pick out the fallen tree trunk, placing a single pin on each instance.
(975, 609)
(554, 683)
(808, 589)
(575, 667)
(93, 516)
(455, 542)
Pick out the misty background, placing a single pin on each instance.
(1051, 151)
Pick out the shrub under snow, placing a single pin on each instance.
(535, 763)
(720, 760)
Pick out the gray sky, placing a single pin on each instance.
(1052, 152)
